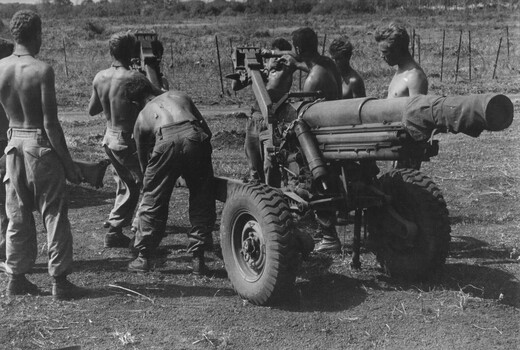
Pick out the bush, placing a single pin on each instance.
(261, 34)
(93, 28)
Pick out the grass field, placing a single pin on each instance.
(474, 305)
(190, 58)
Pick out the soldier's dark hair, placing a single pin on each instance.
(306, 40)
(6, 48)
(24, 26)
(122, 45)
(137, 88)
(341, 48)
(157, 48)
(394, 34)
(281, 44)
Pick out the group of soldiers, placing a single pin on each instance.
(335, 79)
(152, 137)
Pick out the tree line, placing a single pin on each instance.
(197, 8)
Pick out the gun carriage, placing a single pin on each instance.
(325, 158)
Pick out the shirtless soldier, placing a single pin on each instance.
(6, 49)
(409, 79)
(172, 140)
(352, 86)
(107, 97)
(324, 76)
(37, 163)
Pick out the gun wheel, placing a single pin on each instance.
(257, 244)
(417, 199)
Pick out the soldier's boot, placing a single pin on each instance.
(199, 264)
(140, 264)
(63, 289)
(329, 242)
(116, 239)
(20, 285)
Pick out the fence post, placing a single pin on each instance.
(496, 61)
(419, 48)
(324, 43)
(231, 49)
(442, 55)
(413, 42)
(458, 57)
(219, 66)
(507, 41)
(171, 56)
(65, 54)
(469, 51)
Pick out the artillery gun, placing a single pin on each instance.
(325, 158)
(147, 58)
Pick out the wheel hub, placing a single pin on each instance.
(251, 245)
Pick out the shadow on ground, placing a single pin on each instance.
(327, 293)
(86, 196)
(466, 247)
(484, 282)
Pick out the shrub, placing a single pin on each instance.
(93, 28)
(261, 34)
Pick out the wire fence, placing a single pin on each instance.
(455, 61)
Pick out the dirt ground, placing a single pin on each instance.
(474, 305)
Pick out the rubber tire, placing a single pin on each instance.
(418, 199)
(261, 204)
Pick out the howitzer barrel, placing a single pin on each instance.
(420, 115)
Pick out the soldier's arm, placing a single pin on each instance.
(94, 107)
(52, 125)
(141, 142)
(293, 64)
(200, 118)
(417, 83)
(358, 88)
(312, 82)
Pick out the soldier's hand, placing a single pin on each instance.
(74, 174)
(288, 60)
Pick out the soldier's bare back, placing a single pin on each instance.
(27, 91)
(108, 97)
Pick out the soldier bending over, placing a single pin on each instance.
(37, 163)
(107, 97)
(172, 140)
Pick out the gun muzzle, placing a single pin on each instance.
(93, 173)
(470, 115)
